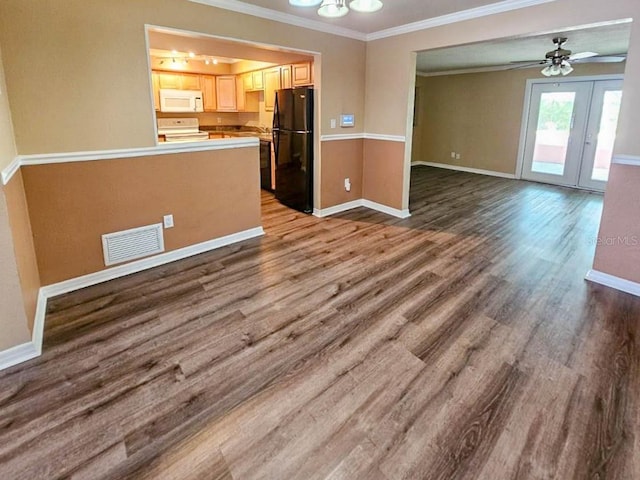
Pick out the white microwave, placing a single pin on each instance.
(179, 101)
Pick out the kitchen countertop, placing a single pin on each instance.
(238, 131)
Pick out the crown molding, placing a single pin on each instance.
(462, 71)
(270, 14)
(470, 14)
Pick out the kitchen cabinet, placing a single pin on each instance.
(301, 74)
(190, 81)
(257, 80)
(170, 80)
(155, 82)
(272, 83)
(179, 81)
(226, 93)
(285, 76)
(241, 99)
(208, 83)
(247, 81)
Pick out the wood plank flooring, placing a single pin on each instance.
(461, 343)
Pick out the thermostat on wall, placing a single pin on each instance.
(347, 121)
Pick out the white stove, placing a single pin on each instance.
(181, 130)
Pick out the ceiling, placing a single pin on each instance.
(395, 13)
(395, 17)
(604, 40)
(203, 45)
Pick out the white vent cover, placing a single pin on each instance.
(127, 245)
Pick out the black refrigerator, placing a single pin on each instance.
(293, 146)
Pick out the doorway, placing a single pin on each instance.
(570, 130)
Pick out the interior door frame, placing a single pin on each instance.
(526, 110)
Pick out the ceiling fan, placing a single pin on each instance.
(558, 61)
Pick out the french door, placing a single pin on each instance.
(570, 132)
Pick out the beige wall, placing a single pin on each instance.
(13, 319)
(478, 115)
(383, 171)
(7, 143)
(210, 194)
(78, 76)
(618, 251)
(25, 254)
(341, 159)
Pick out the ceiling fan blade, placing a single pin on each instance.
(581, 55)
(603, 59)
(523, 65)
(529, 62)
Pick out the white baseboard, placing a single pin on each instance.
(384, 209)
(343, 207)
(147, 263)
(27, 351)
(18, 354)
(611, 281)
(457, 168)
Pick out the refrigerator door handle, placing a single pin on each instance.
(276, 138)
(276, 113)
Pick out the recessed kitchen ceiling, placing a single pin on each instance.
(604, 40)
(394, 13)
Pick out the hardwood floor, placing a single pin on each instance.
(461, 343)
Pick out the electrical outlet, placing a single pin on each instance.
(457, 156)
(347, 184)
(219, 120)
(334, 123)
(168, 221)
(453, 154)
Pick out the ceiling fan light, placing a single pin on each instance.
(305, 3)
(333, 9)
(551, 70)
(366, 6)
(566, 68)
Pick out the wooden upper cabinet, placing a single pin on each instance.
(240, 94)
(272, 82)
(155, 82)
(226, 93)
(301, 74)
(285, 76)
(247, 82)
(191, 82)
(170, 80)
(208, 83)
(179, 81)
(258, 80)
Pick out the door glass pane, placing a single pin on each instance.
(552, 134)
(607, 135)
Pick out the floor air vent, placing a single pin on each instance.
(127, 245)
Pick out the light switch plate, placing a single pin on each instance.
(168, 221)
(333, 123)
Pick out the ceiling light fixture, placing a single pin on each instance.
(333, 9)
(557, 67)
(366, 6)
(338, 8)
